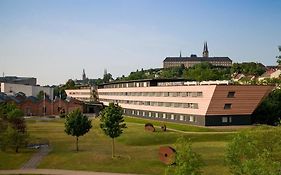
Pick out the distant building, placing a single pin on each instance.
(18, 80)
(193, 59)
(31, 106)
(270, 74)
(83, 94)
(28, 90)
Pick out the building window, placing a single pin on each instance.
(172, 116)
(191, 118)
(181, 117)
(231, 94)
(227, 106)
(164, 115)
(224, 119)
(156, 115)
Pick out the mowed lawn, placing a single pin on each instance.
(137, 150)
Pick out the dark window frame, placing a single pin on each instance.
(227, 106)
(231, 94)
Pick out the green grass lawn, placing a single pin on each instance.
(137, 149)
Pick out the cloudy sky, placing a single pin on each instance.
(54, 40)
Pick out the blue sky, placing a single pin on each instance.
(54, 40)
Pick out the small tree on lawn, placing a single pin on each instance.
(14, 139)
(187, 161)
(112, 122)
(77, 124)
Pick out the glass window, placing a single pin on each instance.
(224, 119)
(191, 118)
(183, 94)
(231, 94)
(164, 115)
(181, 117)
(227, 106)
(172, 116)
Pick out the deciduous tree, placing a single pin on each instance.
(77, 124)
(112, 123)
(13, 127)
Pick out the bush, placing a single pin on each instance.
(255, 152)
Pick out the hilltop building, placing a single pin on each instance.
(193, 59)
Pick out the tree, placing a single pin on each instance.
(112, 122)
(187, 161)
(279, 56)
(250, 68)
(107, 77)
(40, 95)
(206, 71)
(13, 127)
(77, 124)
(70, 84)
(14, 139)
(255, 152)
(60, 92)
(269, 111)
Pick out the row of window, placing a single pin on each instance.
(153, 103)
(154, 94)
(80, 93)
(161, 115)
(126, 85)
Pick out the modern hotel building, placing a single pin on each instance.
(205, 103)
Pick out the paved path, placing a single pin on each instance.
(56, 172)
(37, 157)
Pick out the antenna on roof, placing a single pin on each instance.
(3, 74)
(180, 53)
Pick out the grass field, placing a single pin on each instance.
(137, 150)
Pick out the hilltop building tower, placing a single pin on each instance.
(84, 75)
(205, 50)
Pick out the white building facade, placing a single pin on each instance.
(28, 90)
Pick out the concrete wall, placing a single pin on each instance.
(28, 90)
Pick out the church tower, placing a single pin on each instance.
(84, 75)
(205, 50)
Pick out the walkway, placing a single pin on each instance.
(37, 157)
